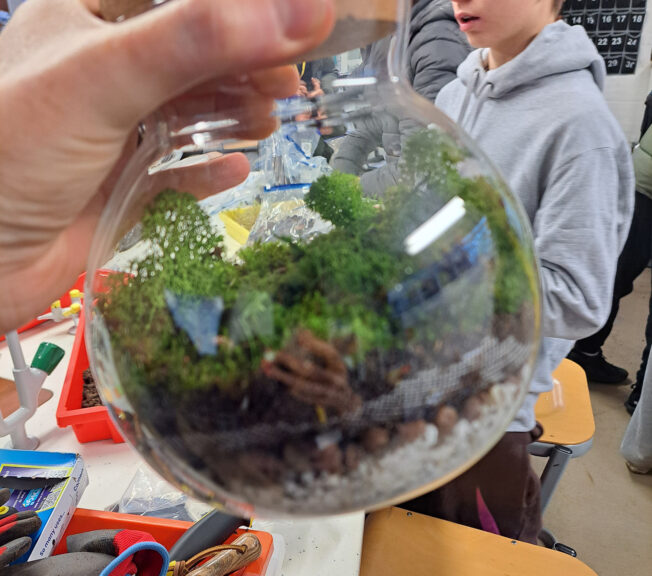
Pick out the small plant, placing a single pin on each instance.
(338, 198)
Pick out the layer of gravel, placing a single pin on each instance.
(401, 469)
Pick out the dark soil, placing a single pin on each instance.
(90, 396)
(520, 325)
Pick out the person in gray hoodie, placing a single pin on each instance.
(632, 262)
(436, 47)
(531, 98)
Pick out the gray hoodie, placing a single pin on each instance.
(542, 120)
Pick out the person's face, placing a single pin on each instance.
(501, 24)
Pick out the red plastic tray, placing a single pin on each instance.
(165, 532)
(88, 424)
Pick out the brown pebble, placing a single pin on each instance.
(410, 431)
(514, 381)
(375, 439)
(472, 408)
(446, 419)
(485, 397)
(352, 456)
(297, 457)
(329, 460)
(259, 467)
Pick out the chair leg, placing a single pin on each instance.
(552, 473)
(547, 538)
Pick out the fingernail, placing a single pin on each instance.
(300, 18)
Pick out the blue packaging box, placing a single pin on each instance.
(51, 484)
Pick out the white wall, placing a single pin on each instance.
(626, 94)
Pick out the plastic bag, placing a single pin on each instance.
(284, 214)
(149, 495)
(245, 194)
(286, 158)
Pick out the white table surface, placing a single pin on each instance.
(319, 547)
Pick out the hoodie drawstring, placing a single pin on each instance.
(481, 97)
(467, 97)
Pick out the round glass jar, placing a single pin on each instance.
(292, 346)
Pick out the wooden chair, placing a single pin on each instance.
(568, 428)
(397, 542)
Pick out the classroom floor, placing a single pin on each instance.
(600, 508)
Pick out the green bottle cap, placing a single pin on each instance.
(47, 357)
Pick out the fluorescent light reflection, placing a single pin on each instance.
(435, 227)
(346, 82)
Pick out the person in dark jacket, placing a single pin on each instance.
(647, 116)
(436, 48)
(322, 70)
(632, 261)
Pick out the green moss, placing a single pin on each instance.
(431, 168)
(338, 198)
(336, 286)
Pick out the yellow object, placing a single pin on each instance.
(321, 414)
(240, 221)
(245, 216)
(400, 542)
(566, 414)
(74, 309)
(74, 293)
(56, 304)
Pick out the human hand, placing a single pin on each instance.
(302, 90)
(15, 528)
(317, 90)
(72, 90)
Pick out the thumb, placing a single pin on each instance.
(161, 54)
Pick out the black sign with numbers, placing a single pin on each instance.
(615, 26)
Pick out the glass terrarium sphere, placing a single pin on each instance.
(271, 336)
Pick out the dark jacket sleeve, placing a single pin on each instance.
(647, 117)
(323, 69)
(357, 145)
(435, 52)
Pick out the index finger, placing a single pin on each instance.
(161, 54)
